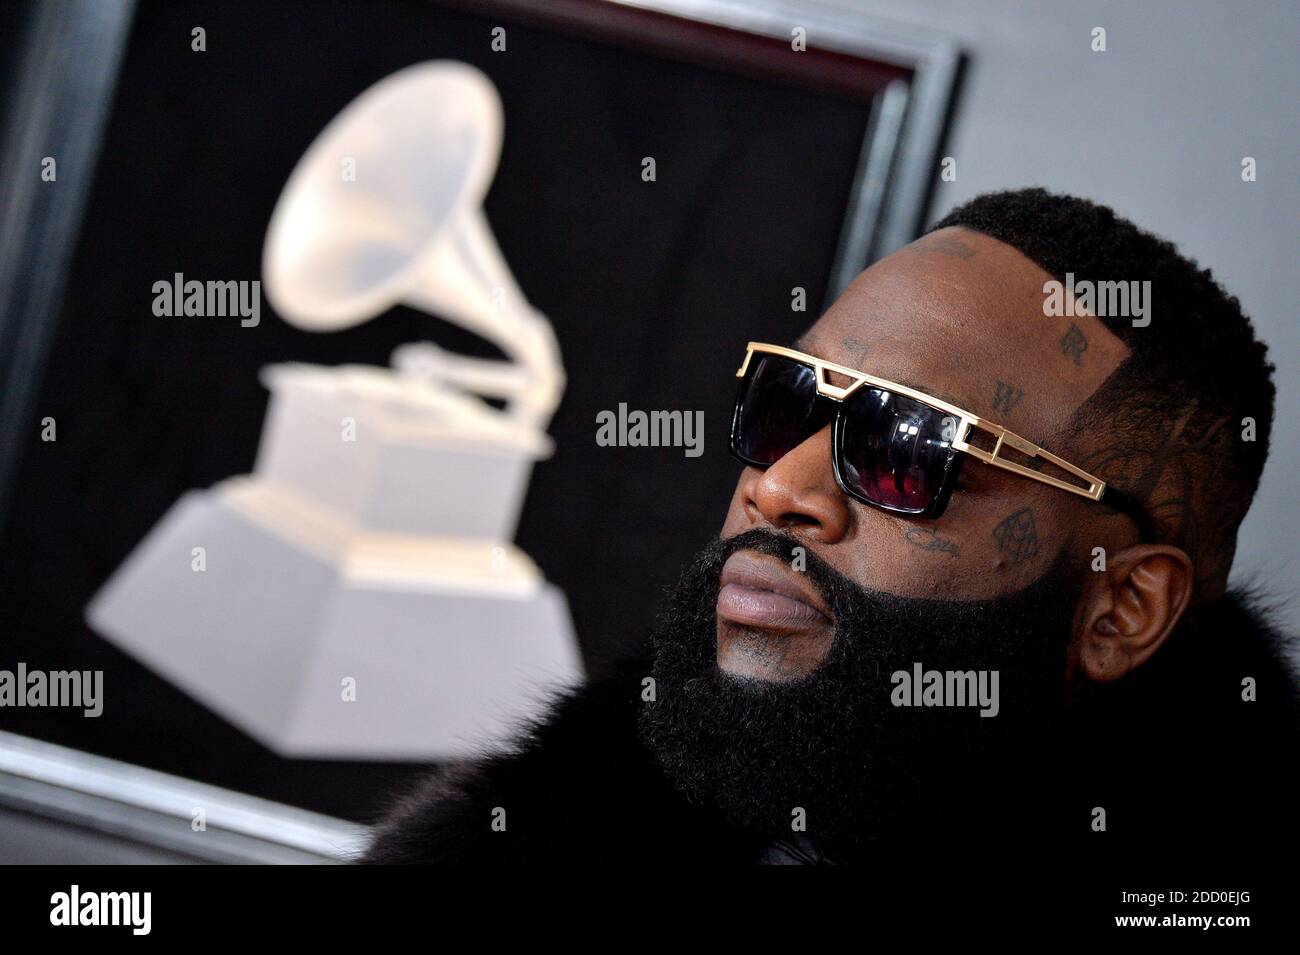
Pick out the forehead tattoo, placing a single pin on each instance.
(985, 337)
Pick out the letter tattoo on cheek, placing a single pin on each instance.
(927, 538)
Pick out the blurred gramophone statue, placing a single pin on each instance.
(358, 595)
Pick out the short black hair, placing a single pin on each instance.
(1196, 371)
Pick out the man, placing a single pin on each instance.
(971, 586)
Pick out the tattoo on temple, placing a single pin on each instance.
(1006, 397)
(1017, 536)
(1074, 343)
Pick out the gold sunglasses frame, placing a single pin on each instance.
(970, 421)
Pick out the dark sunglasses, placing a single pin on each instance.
(892, 447)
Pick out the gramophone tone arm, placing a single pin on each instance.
(483, 376)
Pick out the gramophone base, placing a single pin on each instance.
(285, 644)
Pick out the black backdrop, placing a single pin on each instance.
(653, 288)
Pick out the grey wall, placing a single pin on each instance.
(1155, 127)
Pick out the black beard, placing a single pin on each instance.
(832, 743)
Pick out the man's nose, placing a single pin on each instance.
(799, 494)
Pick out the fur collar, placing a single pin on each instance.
(578, 786)
(1173, 755)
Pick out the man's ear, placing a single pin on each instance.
(1130, 609)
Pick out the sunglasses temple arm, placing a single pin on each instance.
(1121, 502)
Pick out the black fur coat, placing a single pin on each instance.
(1174, 754)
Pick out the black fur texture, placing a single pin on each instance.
(1175, 756)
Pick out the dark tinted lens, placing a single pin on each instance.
(893, 450)
(778, 408)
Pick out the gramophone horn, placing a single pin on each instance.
(385, 207)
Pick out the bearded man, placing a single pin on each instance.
(971, 587)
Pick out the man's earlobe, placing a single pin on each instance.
(1130, 609)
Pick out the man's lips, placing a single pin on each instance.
(760, 591)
